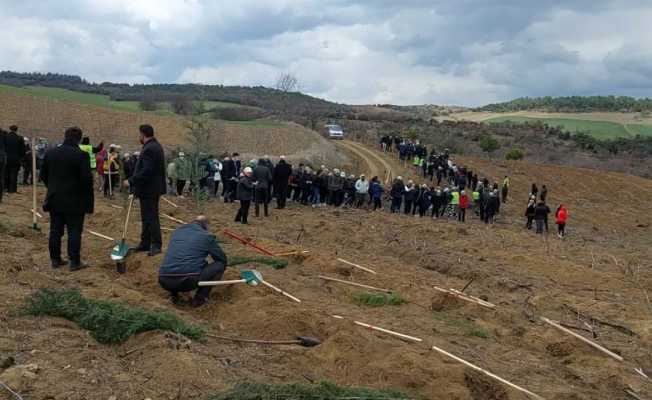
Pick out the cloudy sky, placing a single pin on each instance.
(466, 52)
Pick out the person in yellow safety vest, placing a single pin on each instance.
(455, 201)
(505, 188)
(111, 171)
(476, 198)
(416, 163)
(87, 148)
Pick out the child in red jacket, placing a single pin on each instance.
(464, 204)
(562, 217)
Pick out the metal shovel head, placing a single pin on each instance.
(308, 341)
(252, 276)
(120, 251)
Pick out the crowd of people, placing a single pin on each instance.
(71, 171)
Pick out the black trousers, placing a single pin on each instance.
(261, 198)
(27, 171)
(461, 215)
(3, 169)
(74, 223)
(243, 211)
(150, 236)
(281, 192)
(181, 184)
(12, 177)
(187, 283)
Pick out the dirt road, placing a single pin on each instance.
(376, 165)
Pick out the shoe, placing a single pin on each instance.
(198, 301)
(78, 266)
(139, 249)
(154, 251)
(58, 263)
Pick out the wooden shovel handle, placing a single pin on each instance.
(131, 203)
(219, 283)
(269, 285)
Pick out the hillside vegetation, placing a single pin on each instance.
(572, 104)
(595, 128)
(267, 98)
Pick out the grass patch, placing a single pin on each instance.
(463, 326)
(599, 129)
(108, 322)
(321, 391)
(640, 129)
(378, 299)
(275, 263)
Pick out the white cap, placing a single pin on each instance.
(248, 170)
(343, 174)
(181, 154)
(282, 157)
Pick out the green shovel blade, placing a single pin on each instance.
(120, 251)
(252, 277)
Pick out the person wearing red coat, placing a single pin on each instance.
(562, 217)
(464, 204)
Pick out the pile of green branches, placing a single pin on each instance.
(275, 263)
(378, 299)
(108, 322)
(322, 391)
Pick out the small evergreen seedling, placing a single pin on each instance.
(378, 299)
(108, 322)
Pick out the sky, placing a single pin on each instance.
(463, 52)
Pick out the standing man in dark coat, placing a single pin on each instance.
(282, 173)
(15, 153)
(3, 161)
(148, 183)
(263, 178)
(66, 173)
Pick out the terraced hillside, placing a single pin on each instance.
(597, 282)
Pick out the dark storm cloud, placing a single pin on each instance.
(463, 52)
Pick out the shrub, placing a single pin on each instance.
(275, 263)
(108, 322)
(514, 154)
(378, 299)
(489, 144)
(321, 391)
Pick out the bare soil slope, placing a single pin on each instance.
(44, 117)
(601, 270)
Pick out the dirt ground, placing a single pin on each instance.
(597, 280)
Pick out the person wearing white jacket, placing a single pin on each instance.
(361, 191)
(217, 175)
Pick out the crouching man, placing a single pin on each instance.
(185, 264)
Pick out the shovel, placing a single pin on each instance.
(252, 278)
(34, 180)
(121, 250)
(305, 341)
(248, 276)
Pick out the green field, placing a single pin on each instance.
(100, 100)
(598, 129)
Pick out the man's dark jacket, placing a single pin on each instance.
(15, 146)
(263, 176)
(187, 251)
(148, 179)
(282, 173)
(66, 172)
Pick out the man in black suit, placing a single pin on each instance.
(148, 183)
(282, 173)
(15, 153)
(3, 161)
(66, 172)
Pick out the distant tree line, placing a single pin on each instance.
(279, 101)
(573, 104)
